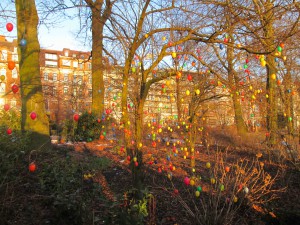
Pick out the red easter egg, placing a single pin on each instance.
(11, 65)
(6, 107)
(15, 88)
(136, 163)
(9, 131)
(76, 117)
(186, 180)
(176, 192)
(128, 158)
(189, 77)
(227, 169)
(32, 167)
(9, 27)
(33, 115)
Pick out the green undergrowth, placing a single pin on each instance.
(59, 191)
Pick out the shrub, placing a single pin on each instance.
(88, 127)
(229, 188)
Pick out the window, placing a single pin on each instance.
(90, 79)
(15, 54)
(74, 55)
(54, 91)
(79, 80)
(66, 53)
(4, 55)
(2, 88)
(13, 103)
(66, 77)
(90, 92)
(51, 56)
(66, 62)
(89, 66)
(75, 64)
(3, 72)
(74, 78)
(46, 76)
(14, 73)
(81, 66)
(50, 63)
(74, 92)
(66, 90)
(54, 76)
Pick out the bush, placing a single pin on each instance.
(88, 127)
(230, 189)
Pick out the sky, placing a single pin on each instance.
(62, 35)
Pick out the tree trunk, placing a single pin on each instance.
(272, 117)
(288, 101)
(178, 100)
(31, 86)
(233, 82)
(98, 88)
(238, 115)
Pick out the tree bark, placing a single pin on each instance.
(31, 86)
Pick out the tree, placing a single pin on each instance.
(100, 14)
(31, 87)
(261, 26)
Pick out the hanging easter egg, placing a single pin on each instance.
(9, 131)
(174, 55)
(245, 66)
(221, 46)
(32, 167)
(281, 45)
(9, 27)
(133, 69)
(11, 65)
(222, 188)
(290, 119)
(168, 82)
(197, 193)
(197, 91)
(189, 77)
(226, 40)
(15, 88)
(263, 63)
(136, 164)
(276, 59)
(246, 190)
(273, 76)
(235, 199)
(212, 180)
(227, 169)
(146, 35)
(2, 77)
(23, 42)
(193, 63)
(76, 117)
(164, 38)
(6, 107)
(187, 92)
(199, 188)
(33, 115)
(192, 182)
(186, 181)
(208, 165)
(279, 49)
(284, 58)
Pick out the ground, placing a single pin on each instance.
(168, 210)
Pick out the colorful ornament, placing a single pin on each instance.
(9, 131)
(11, 65)
(23, 42)
(76, 117)
(15, 88)
(9, 27)
(6, 107)
(33, 115)
(32, 167)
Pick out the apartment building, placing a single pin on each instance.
(67, 86)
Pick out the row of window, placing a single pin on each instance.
(76, 78)
(14, 73)
(3, 55)
(65, 91)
